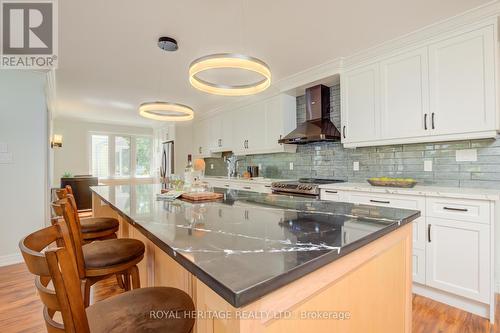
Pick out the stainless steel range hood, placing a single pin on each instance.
(318, 126)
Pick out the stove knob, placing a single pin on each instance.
(309, 188)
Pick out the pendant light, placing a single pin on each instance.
(230, 61)
(166, 111)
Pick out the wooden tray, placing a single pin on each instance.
(203, 196)
(392, 183)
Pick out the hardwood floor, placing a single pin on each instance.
(21, 310)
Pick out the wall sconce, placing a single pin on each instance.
(57, 140)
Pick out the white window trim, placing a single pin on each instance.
(111, 154)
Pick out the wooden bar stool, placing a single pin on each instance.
(100, 259)
(93, 228)
(127, 312)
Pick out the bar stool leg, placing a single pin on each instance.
(86, 292)
(119, 280)
(134, 274)
(126, 277)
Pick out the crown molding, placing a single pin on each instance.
(479, 16)
(311, 75)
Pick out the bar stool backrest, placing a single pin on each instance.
(65, 211)
(55, 265)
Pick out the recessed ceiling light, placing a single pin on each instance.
(167, 44)
(229, 60)
(165, 111)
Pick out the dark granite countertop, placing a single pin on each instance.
(250, 244)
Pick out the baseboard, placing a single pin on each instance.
(477, 308)
(10, 259)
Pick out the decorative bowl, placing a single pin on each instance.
(392, 182)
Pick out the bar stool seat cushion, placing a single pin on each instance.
(139, 311)
(96, 224)
(111, 252)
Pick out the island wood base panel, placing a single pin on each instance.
(372, 284)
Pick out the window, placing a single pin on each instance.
(143, 156)
(120, 156)
(100, 156)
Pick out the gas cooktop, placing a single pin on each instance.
(303, 186)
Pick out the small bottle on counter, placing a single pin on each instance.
(189, 172)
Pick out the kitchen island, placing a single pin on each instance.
(256, 262)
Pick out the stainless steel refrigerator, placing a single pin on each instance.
(167, 160)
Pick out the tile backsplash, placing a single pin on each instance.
(332, 160)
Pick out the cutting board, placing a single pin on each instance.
(203, 196)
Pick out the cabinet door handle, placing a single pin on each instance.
(267, 185)
(226, 185)
(456, 209)
(432, 120)
(329, 191)
(429, 233)
(380, 201)
(425, 121)
(343, 131)
(247, 187)
(345, 237)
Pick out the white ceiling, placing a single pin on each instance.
(109, 62)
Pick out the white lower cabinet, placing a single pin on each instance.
(418, 262)
(458, 258)
(452, 245)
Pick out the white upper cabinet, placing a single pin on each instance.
(405, 95)
(360, 104)
(254, 121)
(252, 129)
(281, 119)
(201, 138)
(221, 132)
(462, 83)
(443, 91)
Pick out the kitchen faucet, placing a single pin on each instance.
(232, 166)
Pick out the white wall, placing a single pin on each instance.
(23, 187)
(73, 157)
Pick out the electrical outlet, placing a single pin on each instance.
(211, 166)
(355, 166)
(466, 155)
(260, 166)
(428, 165)
(291, 165)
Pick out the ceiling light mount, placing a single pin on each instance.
(168, 44)
(165, 111)
(229, 60)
